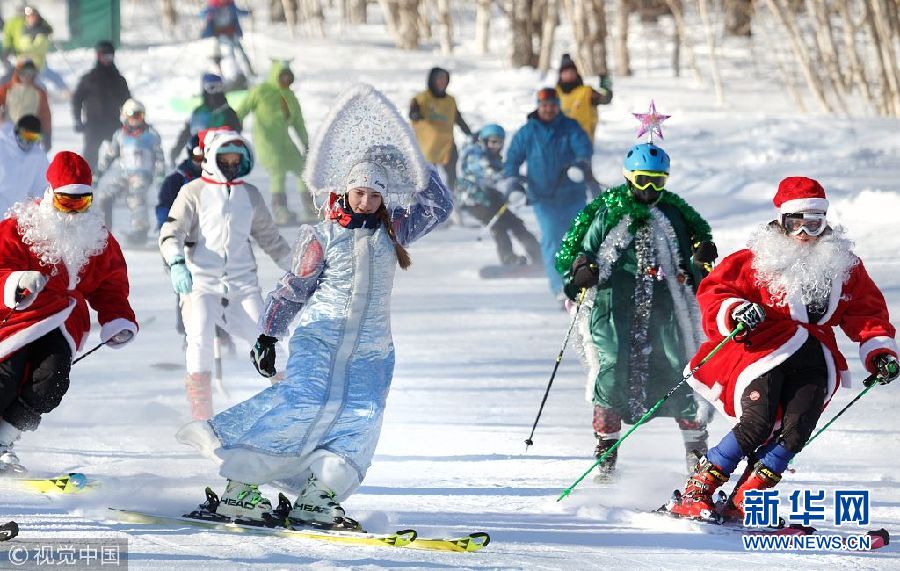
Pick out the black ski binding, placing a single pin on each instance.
(8, 531)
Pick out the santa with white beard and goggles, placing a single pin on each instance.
(797, 280)
(56, 258)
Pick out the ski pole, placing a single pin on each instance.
(869, 382)
(493, 220)
(528, 441)
(653, 409)
(101, 344)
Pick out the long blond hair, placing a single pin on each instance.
(402, 255)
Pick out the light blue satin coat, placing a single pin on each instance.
(332, 401)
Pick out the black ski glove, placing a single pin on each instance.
(585, 273)
(750, 314)
(705, 252)
(886, 368)
(263, 355)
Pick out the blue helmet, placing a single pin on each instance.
(491, 130)
(647, 157)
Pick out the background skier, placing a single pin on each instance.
(23, 163)
(96, 102)
(481, 170)
(213, 111)
(276, 111)
(579, 101)
(550, 144)
(210, 257)
(433, 113)
(137, 148)
(20, 96)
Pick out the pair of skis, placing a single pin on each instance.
(407, 538)
(878, 538)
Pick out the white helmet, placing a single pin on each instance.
(131, 107)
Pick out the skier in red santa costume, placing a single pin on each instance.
(56, 258)
(795, 283)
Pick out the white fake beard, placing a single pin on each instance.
(806, 271)
(54, 236)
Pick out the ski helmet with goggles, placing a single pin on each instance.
(491, 130)
(647, 157)
(810, 223)
(131, 108)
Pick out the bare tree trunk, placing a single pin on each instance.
(550, 19)
(713, 59)
(391, 14)
(779, 10)
(170, 14)
(290, 16)
(882, 30)
(276, 12)
(483, 26)
(599, 35)
(623, 61)
(446, 26)
(408, 25)
(522, 34)
(738, 17)
(825, 41)
(788, 77)
(675, 7)
(424, 22)
(355, 11)
(857, 74)
(312, 14)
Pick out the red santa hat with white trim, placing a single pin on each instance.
(69, 173)
(798, 193)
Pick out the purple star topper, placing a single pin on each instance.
(651, 122)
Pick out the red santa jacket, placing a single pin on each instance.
(62, 303)
(856, 306)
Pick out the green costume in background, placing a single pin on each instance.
(275, 110)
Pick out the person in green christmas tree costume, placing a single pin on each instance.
(636, 255)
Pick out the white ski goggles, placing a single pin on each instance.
(811, 223)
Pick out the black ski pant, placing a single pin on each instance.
(798, 387)
(506, 225)
(34, 379)
(94, 135)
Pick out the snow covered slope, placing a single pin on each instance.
(473, 356)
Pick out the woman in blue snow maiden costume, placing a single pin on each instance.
(315, 432)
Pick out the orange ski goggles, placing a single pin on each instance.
(72, 202)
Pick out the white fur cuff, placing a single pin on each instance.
(723, 317)
(115, 326)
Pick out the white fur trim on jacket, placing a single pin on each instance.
(724, 314)
(881, 342)
(9, 291)
(21, 338)
(110, 328)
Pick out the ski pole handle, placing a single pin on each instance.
(565, 493)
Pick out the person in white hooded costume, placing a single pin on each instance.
(23, 162)
(206, 242)
(315, 432)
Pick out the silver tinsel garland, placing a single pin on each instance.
(639, 355)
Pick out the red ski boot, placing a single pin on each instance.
(696, 502)
(757, 478)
